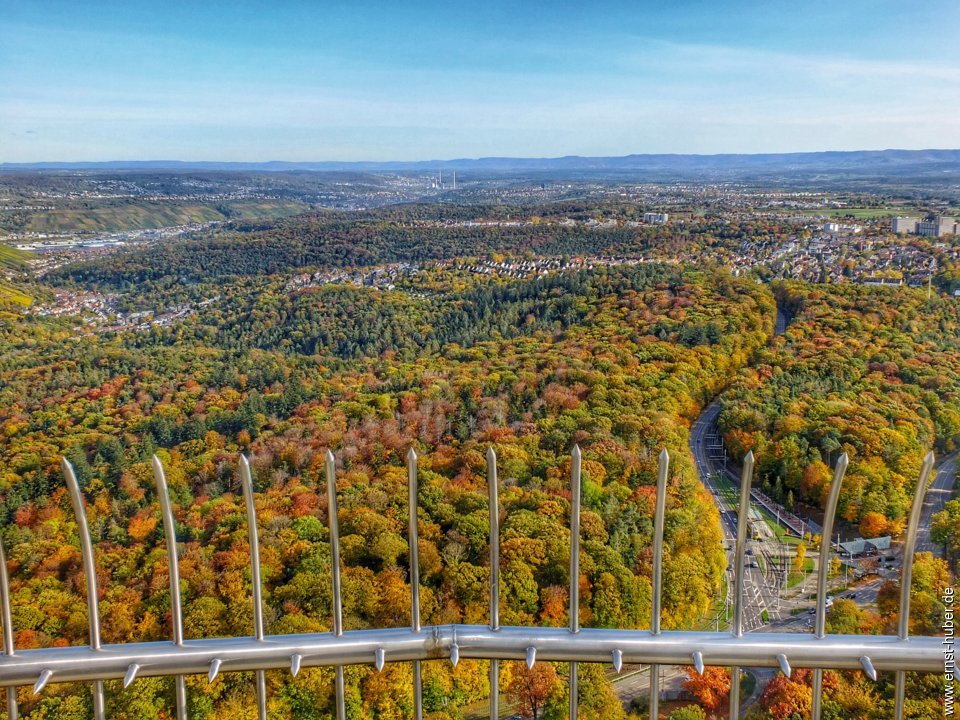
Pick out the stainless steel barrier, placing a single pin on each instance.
(260, 652)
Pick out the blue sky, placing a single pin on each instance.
(318, 80)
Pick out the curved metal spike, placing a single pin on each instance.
(379, 658)
(820, 623)
(784, 664)
(176, 607)
(618, 660)
(246, 480)
(829, 516)
(739, 561)
(743, 514)
(659, 513)
(575, 492)
(42, 681)
(698, 662)
(6, 618)
(868, 667)
(170, 533)
(576, 489)
(131, 674)
(454, 654)
(295, 660)
(333, 523)
(494, 510)
(214, 669)
(906, 578)
(414, 541)
(90, 570)
(658, 520)
(910, 544)
(86, 547)
(531, 657)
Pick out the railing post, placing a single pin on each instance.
(906, 578)
(333, 522)
(246, 481)
(13, 712)
(176, 609)
(739, 553)
(821, 621)
(414, 539)
(90, 570)
(576, 464)
(659, 512)
(494, 577)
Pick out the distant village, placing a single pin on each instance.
(878, 251)
(100, 312)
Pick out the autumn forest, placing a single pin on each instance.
(618, 357)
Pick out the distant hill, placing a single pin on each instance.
(859, 162)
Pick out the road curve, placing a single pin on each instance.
(940, 491)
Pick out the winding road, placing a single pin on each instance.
(764, 609)
(760, 591)
(937, 496)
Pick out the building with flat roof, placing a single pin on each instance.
(905, 225)
(865, 546)
(933, 226)
(937, 226)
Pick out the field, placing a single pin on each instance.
(13, 259)
(134, 215)
(862, 213)
(9, 294)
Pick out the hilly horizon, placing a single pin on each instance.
(945, 160)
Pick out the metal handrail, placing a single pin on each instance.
(261, 652)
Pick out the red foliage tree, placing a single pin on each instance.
(712, 689)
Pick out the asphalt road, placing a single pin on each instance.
(634, 682)
(760, 590)
(940, 491)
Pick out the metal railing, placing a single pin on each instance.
(260, 652)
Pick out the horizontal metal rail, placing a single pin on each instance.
(357, 647)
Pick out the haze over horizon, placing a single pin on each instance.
(112, 81)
